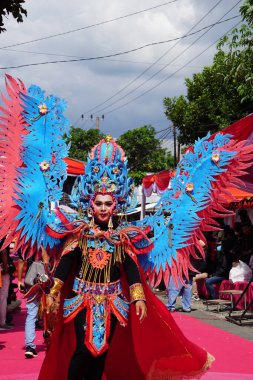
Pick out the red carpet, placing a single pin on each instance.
(13, 364)
(233, 355)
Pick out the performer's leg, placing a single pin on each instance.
(96, 368)
(197, 277)
(83, 365)
(81, 358)
(209, 285)
(173, 292)
(31, 317)
(187, 295)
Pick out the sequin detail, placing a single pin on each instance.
(100, 301)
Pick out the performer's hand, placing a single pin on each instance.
(52, 311)
(141, 310)
(21, 287)
(53, 304)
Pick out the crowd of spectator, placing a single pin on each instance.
(228, 256)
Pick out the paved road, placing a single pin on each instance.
(214, 318)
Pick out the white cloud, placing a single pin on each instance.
(88, 83)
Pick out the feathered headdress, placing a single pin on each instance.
(106, 172)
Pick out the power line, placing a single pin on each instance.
(120, 53)
(165, 134)
(175, 72)
(77, 56)
(162, 130)
(178, 56)
(148, 68)
(164, 80)
(90, 26)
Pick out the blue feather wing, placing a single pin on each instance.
(41, 178)
(185, 209)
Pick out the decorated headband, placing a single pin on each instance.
(105, 173)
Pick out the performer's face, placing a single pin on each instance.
(103, 206)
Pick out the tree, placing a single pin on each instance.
(223, 92)
(238, 46)
(247, 11)
(82, 141)
(144, 152)
(13, 7)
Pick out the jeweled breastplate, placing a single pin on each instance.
(98, 256)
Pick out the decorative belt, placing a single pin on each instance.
(99, 299)
(91, 288)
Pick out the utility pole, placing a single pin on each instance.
(97, 120)
(178, 152)
(175, 145)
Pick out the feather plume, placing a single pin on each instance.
(33, 170)
(192, 202)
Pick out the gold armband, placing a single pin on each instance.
(137, 293)
(56, 288)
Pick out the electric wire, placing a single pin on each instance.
(117, 54)
(76, 56)
(175, 58)
(164, 80)
(90, 26)
(162, 130)
(148, 68)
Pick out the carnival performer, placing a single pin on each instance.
(105, 320)
(106, 278)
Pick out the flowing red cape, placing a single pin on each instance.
(154, 350)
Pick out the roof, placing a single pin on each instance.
(74, 167)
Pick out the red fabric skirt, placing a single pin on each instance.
(154, 350)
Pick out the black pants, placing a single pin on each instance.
(83, 365)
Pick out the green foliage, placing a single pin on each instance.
(223, 92)
(13, 7)
(247, 11)
(143, 151)
(238, 55)
(82, 142)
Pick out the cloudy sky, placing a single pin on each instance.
(128, 89)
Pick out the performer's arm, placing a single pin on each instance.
(136, 290)
(20, 270)
(61, 274)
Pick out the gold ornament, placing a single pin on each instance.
(137, 293)
(92, 223)
(110, 223)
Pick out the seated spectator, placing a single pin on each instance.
(238, 229)
(243, 214)
(220, 273)
(245, 242)
(211, 239)
(239, 271)
(251, 262)
(229, 243)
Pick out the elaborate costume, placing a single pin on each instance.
(100, 277)
(101, 292)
